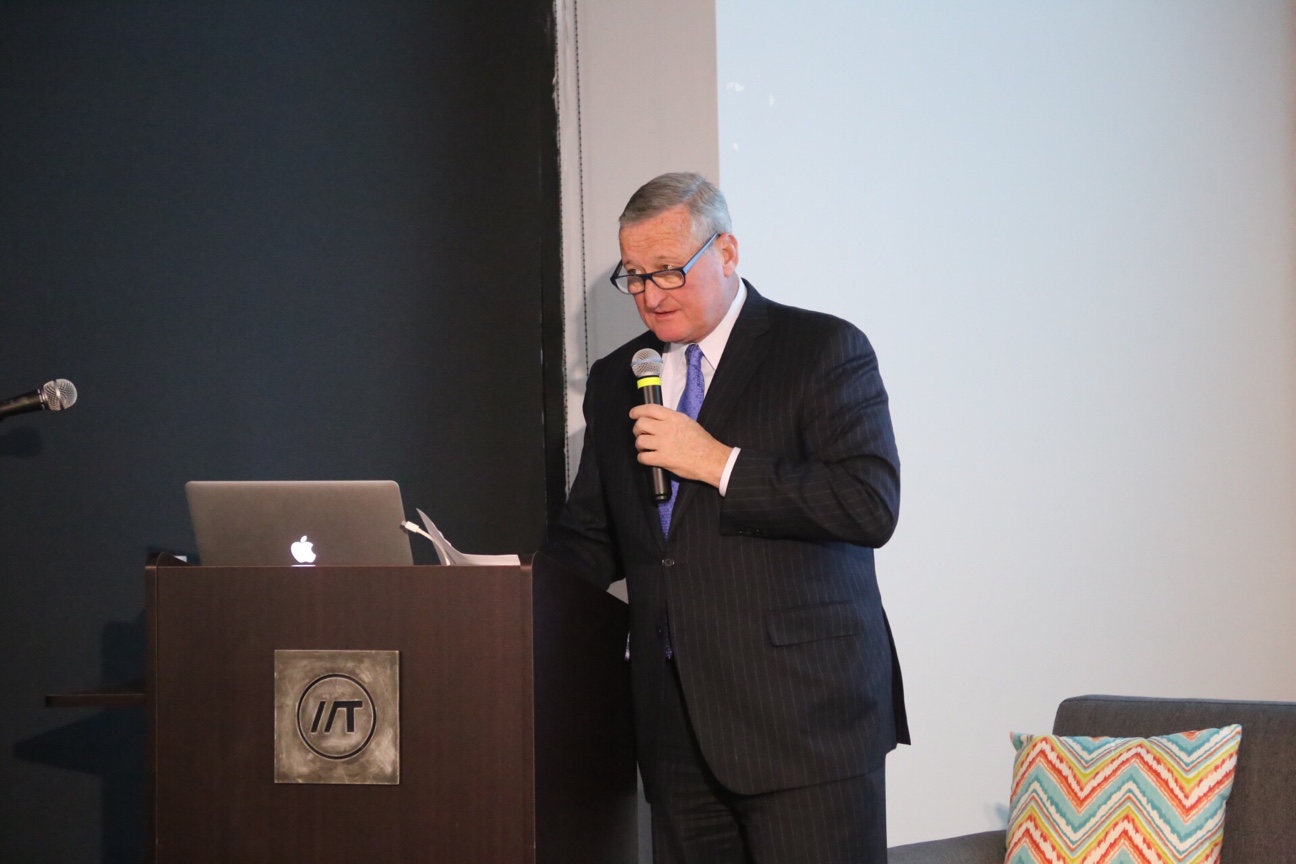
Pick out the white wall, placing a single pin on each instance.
(1068, 228)
(636, 98)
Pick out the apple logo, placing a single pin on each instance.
(303, 550)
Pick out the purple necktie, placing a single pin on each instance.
(690, 403)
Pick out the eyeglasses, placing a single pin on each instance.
(667, 280)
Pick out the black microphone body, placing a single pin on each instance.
(647, 366)
(651, 395)
(22, 404)
(54, 396)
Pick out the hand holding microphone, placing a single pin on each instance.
(647, 367)
(668, 440)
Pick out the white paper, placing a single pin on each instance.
(450, 555)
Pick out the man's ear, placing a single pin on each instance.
(728, 244)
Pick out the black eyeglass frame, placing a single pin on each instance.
(645, 278)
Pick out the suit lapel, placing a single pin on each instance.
(743, 355)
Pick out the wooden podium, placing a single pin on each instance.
(516, 742)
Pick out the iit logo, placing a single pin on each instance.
(336, 716)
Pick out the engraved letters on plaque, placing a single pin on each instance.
(337, 717)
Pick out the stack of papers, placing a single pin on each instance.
(450, 555)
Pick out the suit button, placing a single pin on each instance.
(668, 562)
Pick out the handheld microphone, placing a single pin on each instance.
(647, 366)
(52, 396)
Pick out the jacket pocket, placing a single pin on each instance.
(812, 623)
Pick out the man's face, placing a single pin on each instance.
(688, 313)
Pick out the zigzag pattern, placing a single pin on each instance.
(1121, 800)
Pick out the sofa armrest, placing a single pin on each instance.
(987, 847)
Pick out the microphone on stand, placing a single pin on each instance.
(52, 396)
(647, 366)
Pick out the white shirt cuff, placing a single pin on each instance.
(728, 469)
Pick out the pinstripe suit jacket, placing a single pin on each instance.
(777, 627)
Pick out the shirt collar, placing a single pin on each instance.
(713, 344)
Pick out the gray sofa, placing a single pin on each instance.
(1260, 818)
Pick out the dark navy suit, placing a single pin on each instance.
(768, 594)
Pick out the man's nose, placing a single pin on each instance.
(652, 294)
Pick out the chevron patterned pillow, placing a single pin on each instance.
(1121, 800)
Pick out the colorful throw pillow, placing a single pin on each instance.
(1121, 800)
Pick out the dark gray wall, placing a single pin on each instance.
(265, 240)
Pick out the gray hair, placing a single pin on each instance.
(706, 204)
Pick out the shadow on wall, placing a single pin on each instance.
(108, 744)
(607, 323)
(22, 442)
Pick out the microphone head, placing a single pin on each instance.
(58, 394)
(646, 363)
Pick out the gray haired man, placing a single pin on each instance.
(767, 693)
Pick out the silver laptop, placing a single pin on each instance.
(298, 522)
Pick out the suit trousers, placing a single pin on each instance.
(696, 820)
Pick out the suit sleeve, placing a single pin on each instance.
(842, 482)
(582, 541)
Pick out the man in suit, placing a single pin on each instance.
(766, 689)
